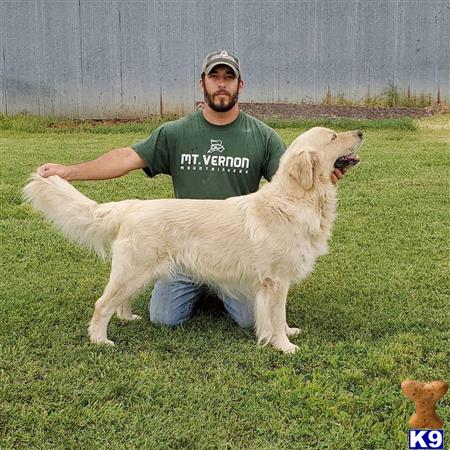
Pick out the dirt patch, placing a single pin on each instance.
(76, 123)
(306, 111)
(283, 111)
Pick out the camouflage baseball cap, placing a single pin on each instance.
(213, 59)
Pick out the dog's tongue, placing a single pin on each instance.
(349, 160)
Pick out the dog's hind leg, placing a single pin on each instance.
(129, 275)
(124, 312)
(270, 315)
(120, 289)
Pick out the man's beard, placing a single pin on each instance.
(225, 103)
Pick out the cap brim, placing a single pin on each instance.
(219, 62)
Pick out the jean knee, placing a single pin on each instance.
(172, 301)
(162, 318)
(240, 310)
(244, 322)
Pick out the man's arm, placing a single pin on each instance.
(112, 164)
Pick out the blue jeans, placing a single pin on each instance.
(173, 302)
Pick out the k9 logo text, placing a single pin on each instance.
(428, 439)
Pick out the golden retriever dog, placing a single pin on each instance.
(255, 245)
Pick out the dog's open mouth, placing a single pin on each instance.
(347, 160)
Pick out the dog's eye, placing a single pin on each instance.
(334, 137)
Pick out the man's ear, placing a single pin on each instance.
(201, 85)
(304, 168)
(240, 85)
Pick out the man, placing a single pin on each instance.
(216, 153)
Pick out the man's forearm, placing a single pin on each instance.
(106, 166)
(112, 164)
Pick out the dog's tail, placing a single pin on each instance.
(78, 217)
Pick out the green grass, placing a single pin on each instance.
(42, 124)
(405, 123)
(375, 311)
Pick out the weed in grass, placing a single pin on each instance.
(390, 96)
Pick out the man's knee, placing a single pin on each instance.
(240, 310)
(163, 318)
(172, 301)
(244, 322)
(163, 313)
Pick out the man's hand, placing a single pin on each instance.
(49, 169)
(337, 174)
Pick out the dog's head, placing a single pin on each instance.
(314, 154)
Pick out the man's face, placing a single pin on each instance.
(221, 88)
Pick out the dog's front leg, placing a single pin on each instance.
(280, 338)
(292, 331)
(271, 315)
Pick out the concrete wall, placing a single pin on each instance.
(103, 58)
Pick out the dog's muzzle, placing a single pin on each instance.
(351, 159)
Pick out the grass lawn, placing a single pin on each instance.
(375, 311)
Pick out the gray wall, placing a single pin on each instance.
(103, 58)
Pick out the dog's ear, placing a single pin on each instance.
(305, 168)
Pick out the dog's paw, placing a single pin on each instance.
(291, 348)
(284, 345)
(129, 318)
(135, 317)
(124, 313)
(292, 331)
(102, 342)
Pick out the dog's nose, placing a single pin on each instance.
(360, 134)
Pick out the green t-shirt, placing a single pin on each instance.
(209, 161)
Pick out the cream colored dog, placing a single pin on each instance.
(256, 244)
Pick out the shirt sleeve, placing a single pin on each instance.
(155, 151)
(275, 149)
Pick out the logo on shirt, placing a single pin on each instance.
(214, 163)
(216, 146)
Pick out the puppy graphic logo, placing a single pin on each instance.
(216, 146)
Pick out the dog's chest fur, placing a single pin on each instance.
(298, 235)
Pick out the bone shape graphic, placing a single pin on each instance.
(425, 397)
